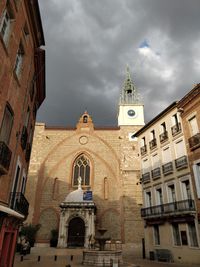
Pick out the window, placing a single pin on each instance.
(186, 190)
(145, 166)
(171, 193)
(180, 149)
(163, 127)
(184, 240)
(152, 133)
(193, 126)
(81, 169)
(143, 141)
(148, 199)
(192, 234)
(175, 119)
(176, 234)
(196, 169)
(6, 125)
(27, 117)
(5, 26)
(23, 185)
(19, 60)
(156, 235)
(155, 161)
(159, 196)
(166, 155)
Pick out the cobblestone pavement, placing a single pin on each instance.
(47, 259)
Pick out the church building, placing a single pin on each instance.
(87, 177)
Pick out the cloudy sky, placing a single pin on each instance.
(90, 42)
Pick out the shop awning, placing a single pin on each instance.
(11, 212)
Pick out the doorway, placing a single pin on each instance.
(76, 233)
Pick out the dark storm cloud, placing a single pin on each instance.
(89, 43)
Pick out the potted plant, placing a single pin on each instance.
(54, 238)
(29, 231)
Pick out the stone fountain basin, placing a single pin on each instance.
(101, 258)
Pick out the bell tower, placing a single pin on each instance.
(131, 108)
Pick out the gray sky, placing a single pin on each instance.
(90, 42)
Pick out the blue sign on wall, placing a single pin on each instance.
(87, 195)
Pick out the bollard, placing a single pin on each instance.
(55, 258)
(38, 258)
(103, 262)
(22, 258)
(111, 262)
(72, 257)
(68, 265)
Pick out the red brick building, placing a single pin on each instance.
(22, 90)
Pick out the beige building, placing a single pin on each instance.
(169, 209)
(107, 161)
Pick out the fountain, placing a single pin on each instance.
(101, 256)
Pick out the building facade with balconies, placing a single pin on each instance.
(22, 90)
(189, 107)
(169, 210)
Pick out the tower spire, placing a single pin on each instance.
(129, 94)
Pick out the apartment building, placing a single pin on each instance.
(189, 107)
(22, 90)
(169, 211)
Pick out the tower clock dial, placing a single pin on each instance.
(131, 113)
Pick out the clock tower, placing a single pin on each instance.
(131, 109)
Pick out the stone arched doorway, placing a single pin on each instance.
(76, 232)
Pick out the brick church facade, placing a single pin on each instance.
(107, 161)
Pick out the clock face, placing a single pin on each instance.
(131, 113)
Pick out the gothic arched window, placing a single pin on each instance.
(81, 168)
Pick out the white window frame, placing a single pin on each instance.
(23, 182)
(184, 152)
(19, 60)
(189, 237)
(18, 164)
(157, 200)
(147, 203)
(181, 181)
(6, 18)
(167, 187)
(196, 170)
(154, 236)
(172, 231)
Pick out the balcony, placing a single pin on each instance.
(19, 203)
(28, 152)
(156, 173)
(24, 137)
(153, 144)
(143, 150)
(169, 209)
(5, 158)
(176, 129)
(194, 141)
(146, 177)
(167, 168)
(181, 163)
(163, 136)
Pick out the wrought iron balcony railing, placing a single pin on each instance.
(19, 203)
(176, 129)
(143, 149)
(181, 163)
(153, 144)
(28, 152)
(163, 136)
(156, 173)
(5, 158)
(146, 177)
(194, 141)
(183, 206)
(167, 168)
(24, 137)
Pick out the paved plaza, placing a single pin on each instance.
(64, 259)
